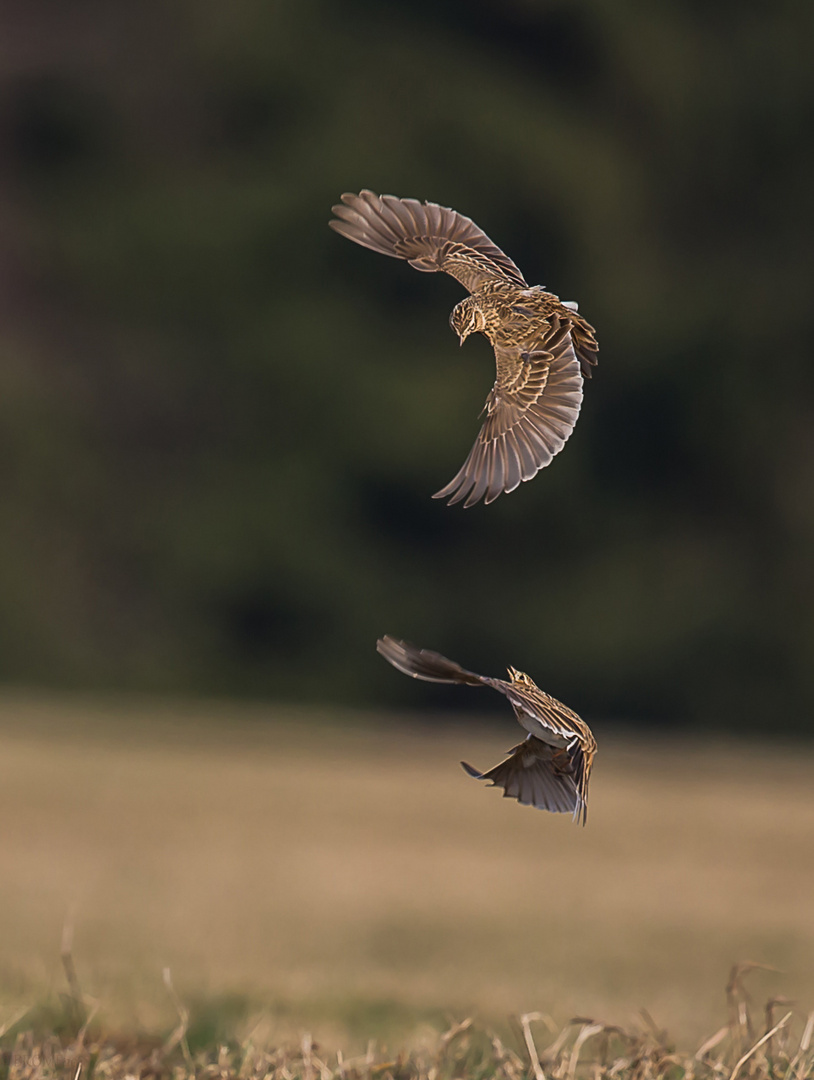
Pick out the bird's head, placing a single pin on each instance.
(520, 678)
(467, 318)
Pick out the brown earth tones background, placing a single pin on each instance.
(328, 874)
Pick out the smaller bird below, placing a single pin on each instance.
(551, 768)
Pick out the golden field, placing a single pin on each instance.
(348, 878)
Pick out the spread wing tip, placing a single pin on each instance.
(491, 470)
(429, 236)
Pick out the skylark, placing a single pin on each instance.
(551, 768)
(543, 347)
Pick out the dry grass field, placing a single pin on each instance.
(354, 882)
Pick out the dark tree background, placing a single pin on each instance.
(220, 424)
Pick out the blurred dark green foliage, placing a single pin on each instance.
(221, 423)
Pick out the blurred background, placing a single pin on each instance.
(221, 424)
(220, 428)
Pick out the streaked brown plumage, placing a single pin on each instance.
(551, 768)
(543, 348)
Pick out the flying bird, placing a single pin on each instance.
(551, 768)
(543, 346)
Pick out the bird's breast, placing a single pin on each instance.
(535, 726)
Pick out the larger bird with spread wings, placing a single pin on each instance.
(551, 768)
(543, 347)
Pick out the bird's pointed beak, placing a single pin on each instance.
(461, 339)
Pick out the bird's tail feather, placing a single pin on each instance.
(536, 780)
(424, 664)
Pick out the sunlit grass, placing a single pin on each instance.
(747, 1047)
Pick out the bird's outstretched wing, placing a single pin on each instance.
(428, 236)
(425, 664)
(526, 697)
(530, 412)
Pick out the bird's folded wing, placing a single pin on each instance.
(531, 410)
(581, 769)
(428, 236)
(552, 714)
